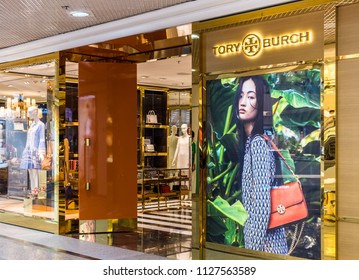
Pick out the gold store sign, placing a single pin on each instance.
(296, 38)
(253, 44)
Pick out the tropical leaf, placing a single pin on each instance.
(296, 99)
(231, 145)
(300, 117)
(313, 136)
(219, 99)
(217, 226)
(235, 212)
(230, 235)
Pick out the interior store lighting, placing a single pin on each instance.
(16, 107)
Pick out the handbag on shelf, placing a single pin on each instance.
(150, 148)
(165, 189)
(288, 203)
(151, 117)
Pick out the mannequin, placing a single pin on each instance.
(35, 149)
(172, 144)
(182, 154)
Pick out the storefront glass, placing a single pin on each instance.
(28, 141)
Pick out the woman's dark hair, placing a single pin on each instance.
(262, 88)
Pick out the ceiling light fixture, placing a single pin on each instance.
(79, 14)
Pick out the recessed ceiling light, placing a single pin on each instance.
(79, 14)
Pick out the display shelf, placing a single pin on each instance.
(154, 134)
(162, 184)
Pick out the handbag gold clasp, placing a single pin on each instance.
(281, 209)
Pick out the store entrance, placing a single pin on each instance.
(163, 84)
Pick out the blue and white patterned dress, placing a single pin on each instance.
(257, 177)
(35, 146)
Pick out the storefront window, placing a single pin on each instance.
(28, 195)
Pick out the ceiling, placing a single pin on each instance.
(36, 19)
(122, 27)
(32, 24)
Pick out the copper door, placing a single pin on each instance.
(107, 140)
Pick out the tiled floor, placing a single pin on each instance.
(165, 232)
(160, 234)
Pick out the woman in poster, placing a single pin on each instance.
(257, 168)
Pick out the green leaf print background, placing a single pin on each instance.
(295, 122)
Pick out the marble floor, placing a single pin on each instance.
(166, 232)
(161, 234)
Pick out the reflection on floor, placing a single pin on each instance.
(161, 232)
(166, 232)
(18, 243)
(25, 207)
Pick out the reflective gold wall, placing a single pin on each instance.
(327, 64)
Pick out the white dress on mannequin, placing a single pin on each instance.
(172, 144)
(182, 155)
(35, 148)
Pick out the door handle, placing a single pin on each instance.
(87, 154)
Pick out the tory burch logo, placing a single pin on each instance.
(251, 45)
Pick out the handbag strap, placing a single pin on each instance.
(280, 154)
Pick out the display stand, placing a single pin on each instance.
(161, 185)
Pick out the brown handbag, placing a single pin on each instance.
(288, 204)
(46, 163)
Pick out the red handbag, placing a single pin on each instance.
(165, 189)
(288, 204)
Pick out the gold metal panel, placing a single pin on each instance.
(348, 25)
(348, 240)
(297, 7)
(348, 138)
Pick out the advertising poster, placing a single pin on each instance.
(243, 165)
